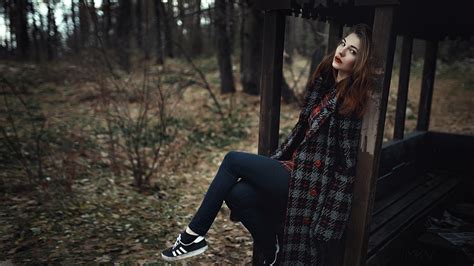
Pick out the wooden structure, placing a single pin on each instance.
(398, 182)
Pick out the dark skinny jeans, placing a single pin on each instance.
(258, 199)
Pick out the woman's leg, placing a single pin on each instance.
(249, 205)
(265, 174)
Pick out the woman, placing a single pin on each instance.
(304, 190)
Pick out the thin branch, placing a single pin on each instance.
(203, 78)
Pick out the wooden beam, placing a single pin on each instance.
(335, 35)
(427, 82)
(375, 2)
(403, 83)
(383, 43)
(270, 88)
(270, 82)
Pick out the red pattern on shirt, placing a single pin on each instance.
(290, 164)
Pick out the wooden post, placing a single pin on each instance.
(335, 35)
(270, 88)
(427, 82)
(383, 42)
(403, 83)
(270, 82)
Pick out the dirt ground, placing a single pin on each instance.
(104, 219)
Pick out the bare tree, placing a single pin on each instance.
(84, 27)
(223, 48)
(251, 47)
(159, 14)
(107, 21)
(17, 12)
(124, 26)
(137, 22)
(195, 34)
(52, 32)
(169, 25)
(231, 23)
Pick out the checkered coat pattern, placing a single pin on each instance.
(321, 185)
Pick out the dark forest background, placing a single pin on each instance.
(116, 114)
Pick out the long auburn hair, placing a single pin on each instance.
(353, 90)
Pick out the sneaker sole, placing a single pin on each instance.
(184, 256)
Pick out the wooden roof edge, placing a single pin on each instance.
(376, 2)
(311, 4)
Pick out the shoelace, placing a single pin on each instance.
(178, 240)
(276, 253)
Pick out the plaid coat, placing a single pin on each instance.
(320, 187)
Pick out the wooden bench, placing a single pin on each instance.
(417, 174)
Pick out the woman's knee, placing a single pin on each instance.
(242, 195)
(231, 159)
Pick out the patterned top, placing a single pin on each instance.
(290, 164)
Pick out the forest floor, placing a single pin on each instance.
(106, 219)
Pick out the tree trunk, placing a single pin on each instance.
(107, 21)
(169, 26)
(159, 11)
(19, 26)
(196, 36)
(138, 23)
(223, 48)
(210, 29)
(36, 37)
(182, 28)
(147, 34)
(43, 39)
(51, 31)
(231, 23)
(83, 24)
(124, 26)
(251, 57)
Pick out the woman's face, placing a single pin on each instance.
(346, 54)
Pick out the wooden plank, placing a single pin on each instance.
(270, 82)
(382, 240)
(427, 82)
(371, 139)
(406, 197)
(270, 89)
(411, 148)
(335, 35)
(396, 194)
(390, 249)
(403, 83)
(393, 180)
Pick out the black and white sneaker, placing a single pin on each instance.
(186, 246)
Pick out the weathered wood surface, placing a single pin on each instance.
(270, 82)
(270, 90)
(403, 220)
(371, 144)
